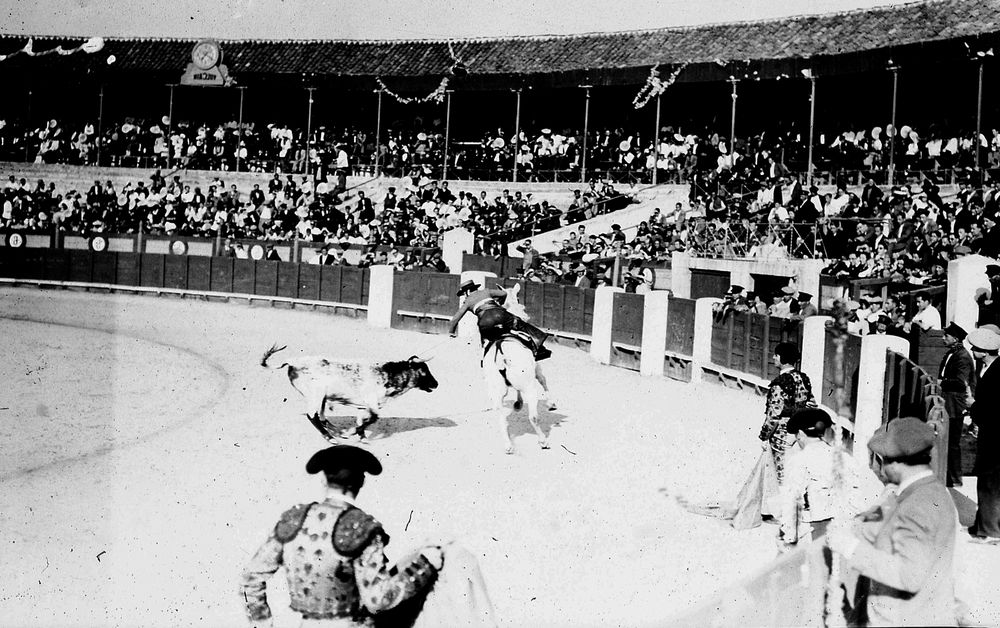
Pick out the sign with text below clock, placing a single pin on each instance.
(206, 68)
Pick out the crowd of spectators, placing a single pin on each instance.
(542, 154)
(295, 207)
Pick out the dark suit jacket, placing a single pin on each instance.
(957, 370)
(985, 413)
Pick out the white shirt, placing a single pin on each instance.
(928, 319)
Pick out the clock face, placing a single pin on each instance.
(205, 54)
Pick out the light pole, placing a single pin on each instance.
(239, 129)
(170, 122)
(656, 138)
(732, 115)
(100, 126)
(517, 131)
(309, 120)
(892, 149)
(586, 122)
(378, 130)
(812, 121)
(979, 113)
(447, 131)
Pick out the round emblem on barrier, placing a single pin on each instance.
(257, 252)
(178, 247)
(98, 244)
(16, 241)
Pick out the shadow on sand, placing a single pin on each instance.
(387, 425)
(519, 425)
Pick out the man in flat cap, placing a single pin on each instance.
(985, 414)
(904, 548)
(333, 553)
(956, 376)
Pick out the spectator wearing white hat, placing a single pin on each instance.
(985, 414)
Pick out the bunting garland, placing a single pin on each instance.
(92, 45)
(655, 85)
(435, 96)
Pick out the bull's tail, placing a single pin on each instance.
(267, 354)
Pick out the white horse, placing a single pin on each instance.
(509, 364)
(515, 307)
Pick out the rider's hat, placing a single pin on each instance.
(467, 286)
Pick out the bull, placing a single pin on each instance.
(363, 386)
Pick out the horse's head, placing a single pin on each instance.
(512, 304)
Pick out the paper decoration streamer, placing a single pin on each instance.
(655, 85)
(92, 45)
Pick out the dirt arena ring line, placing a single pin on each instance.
(584, 534)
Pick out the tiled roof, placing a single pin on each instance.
(791, 38)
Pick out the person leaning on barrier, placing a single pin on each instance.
(903, 548)
(334, 553)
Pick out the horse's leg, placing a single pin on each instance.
(522, 377)
(496, 389)
(545, 386)
(532, 395)
(365, 418)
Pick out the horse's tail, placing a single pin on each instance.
(267, 354)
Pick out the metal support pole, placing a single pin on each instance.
(447, 132)
(656, 139)
(812, 122)
(517, 131)
(27, 124)
(732, 117)
(979, 115)
(892, 147)
(378, 131)
(239, 130)
(586, 122)
(309, 121)
(170, 123)
(100, 126)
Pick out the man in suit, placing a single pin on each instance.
(903, 550)
(955, 375)
(985, 413)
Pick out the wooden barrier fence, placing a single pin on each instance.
(745, 342)
(679, 342)
(626, 330)
(825, 389)
(910, 391)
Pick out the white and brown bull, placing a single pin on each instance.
(363, 386)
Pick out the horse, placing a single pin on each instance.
(513, 305)
(508, 364)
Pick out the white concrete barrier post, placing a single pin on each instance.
(380, 286)
(966, 275)
(457, 242)
(702, 350)
(467, 327)
(600, 336)
(814, 351)
(654, 332)
(871, 388)
(680, 275)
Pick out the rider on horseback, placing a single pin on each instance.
(493, 320)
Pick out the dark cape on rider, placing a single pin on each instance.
(493, 320)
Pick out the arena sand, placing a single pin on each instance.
(147, 454)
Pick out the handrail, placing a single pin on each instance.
(181, 291)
